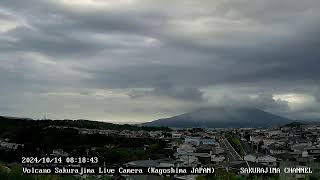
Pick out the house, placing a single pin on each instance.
(299, 147)
(59, 152)
(217, 159)
(250, 158)
(217, 150)
(188, 161)
(155, 134)
(273, 133)
(204, 158)
(302, 157)
(176, 135)
(315, 152)
(267, 160)
(208, 142)
(204, 149)
(185, 149)
(10, 146)
(192, 140)
(276, 149)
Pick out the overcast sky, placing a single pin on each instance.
(131, 61)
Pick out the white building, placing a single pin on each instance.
(217, 159)
(192, 140)
(250, 158)
(185, 149)
(267, 160)
(176, 135)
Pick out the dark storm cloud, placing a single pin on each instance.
(149, 49)
(50, 43)
(180, 93)
(56, 31)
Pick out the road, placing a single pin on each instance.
(232, 154)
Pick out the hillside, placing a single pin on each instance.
(9, 125)
(222, 117)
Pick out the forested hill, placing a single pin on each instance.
(42, 137)
(7, 123)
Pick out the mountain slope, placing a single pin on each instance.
(222, 117)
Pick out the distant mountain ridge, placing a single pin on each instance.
(14, 123)
(222, 117)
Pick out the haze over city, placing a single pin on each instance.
(139, 60)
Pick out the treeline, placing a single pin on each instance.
(40, 138)
(11, 125)
(40, 141)
(65, 137)
(68, 137)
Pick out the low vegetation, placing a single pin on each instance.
(235, 141)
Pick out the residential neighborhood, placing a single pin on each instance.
(292, 146)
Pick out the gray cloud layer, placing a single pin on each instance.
(135, 60)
